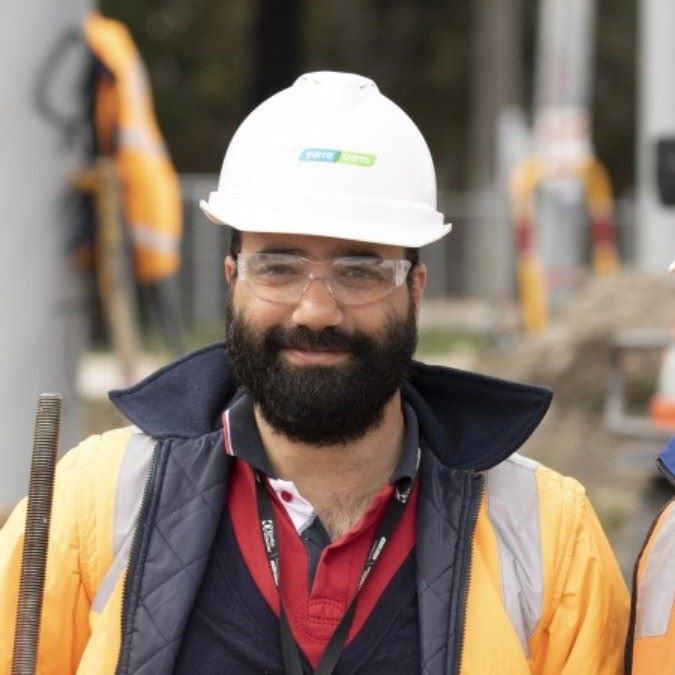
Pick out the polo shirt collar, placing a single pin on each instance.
(241, 436)
(242, 439)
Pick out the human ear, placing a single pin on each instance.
(419, 282)
(230, 268)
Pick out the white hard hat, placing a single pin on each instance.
(330, 156)
(671, 269)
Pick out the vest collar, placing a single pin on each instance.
(469, 421)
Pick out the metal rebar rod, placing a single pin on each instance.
(45, 443)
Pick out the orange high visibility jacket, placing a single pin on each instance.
(126, 127)
(536, 586)
(651, 640)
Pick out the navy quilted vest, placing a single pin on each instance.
(231, 629)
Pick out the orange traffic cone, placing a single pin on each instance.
(662, 405)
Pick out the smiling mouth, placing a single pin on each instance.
(313, 355)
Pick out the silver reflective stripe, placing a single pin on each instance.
(513, 508)
(656, 595)
(130, 485)
(138, 83)
(136, 138)
(109, 581)
(160, 241)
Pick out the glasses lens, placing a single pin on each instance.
(275, 269)
(361, 280)
(275, 276)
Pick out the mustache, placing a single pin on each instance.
(301, 337)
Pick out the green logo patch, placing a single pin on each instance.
(357, 158)
(337, 156)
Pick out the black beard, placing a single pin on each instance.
(321, 405)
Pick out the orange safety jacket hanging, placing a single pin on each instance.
(126, 128)
(651, 640)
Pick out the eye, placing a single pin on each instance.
(361, 272)
(276, 269)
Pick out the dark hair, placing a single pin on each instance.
(235, 243)
(412, 254)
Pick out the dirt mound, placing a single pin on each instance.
(570, 357)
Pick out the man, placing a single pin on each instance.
(306, 498)
(651, 639)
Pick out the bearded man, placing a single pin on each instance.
(306, 498)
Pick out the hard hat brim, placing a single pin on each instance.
(429, 225)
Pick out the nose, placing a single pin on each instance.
(317, 308)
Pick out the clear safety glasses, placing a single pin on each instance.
(353, 280)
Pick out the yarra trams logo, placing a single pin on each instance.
(337, 157)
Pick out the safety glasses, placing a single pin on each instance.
(352, 280)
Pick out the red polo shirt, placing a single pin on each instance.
(319, 578)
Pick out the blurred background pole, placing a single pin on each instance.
(564, 68)
(563, 109)
(655, 223)
(42, 299)
(496, 89)
(277, 39)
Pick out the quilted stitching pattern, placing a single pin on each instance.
(187, 515)
(442, 518)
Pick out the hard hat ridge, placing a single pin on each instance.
(330, 156)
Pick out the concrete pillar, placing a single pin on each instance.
(496, 87)
(41, 296)
(565, 53)
(562, 140)
(655, 223)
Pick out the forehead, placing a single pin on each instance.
(315, 247)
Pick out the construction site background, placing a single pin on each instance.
(466, 72)
(213, 63)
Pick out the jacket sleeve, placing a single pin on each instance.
(651, 640)
(589, 615)
(67, 591)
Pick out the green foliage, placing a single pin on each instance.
(198, 55)
(615, 115)
(201, 57)
(440, 341)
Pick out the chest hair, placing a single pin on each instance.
(340, 512)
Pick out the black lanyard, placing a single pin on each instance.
(268, 529)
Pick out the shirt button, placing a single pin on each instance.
(286, 496)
